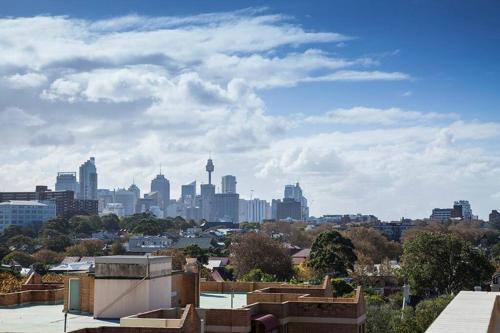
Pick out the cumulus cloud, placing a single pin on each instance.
(137, 91)
(28, 80)
(364, 115)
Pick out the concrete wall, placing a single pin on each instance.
(116, 298)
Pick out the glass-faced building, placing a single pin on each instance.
(22, 213)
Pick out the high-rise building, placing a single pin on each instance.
(188, 194)
(441, 214)
(134, 188)
(104, 197)
(66, 204)
(228, 184)
(494, 218)
(288, 208)
(295, 192)
(128, 200)
(189, 190)
(207, 192)
(161, 185)
(88, 180)
(66, 181)
(226, 207)
(463, 206)
(254, 210)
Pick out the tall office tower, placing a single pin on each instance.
(210, 168)
(229, 184)
(66, 181)
(134, 188)
(88, 180)
(254, 210)
(226, 207)
(464, 208)
(104, 197)
(188, 194)
(295, 192)
(161, 185)
(127, 199)
(207, 201)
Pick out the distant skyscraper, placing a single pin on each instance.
(207, 201)
(161, 185)
(229, 184)
(254, 210)
(463, 206)
(188, 190)
(295, 192)
(66, 181)
(226, 207)
(288, 209)
(128, 200)
(134, 188)
(88, 180)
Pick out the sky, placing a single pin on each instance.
(388, 108)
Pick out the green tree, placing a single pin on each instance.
(256, 250)
(21, 243)
(331, 253)
(435, 263)
(86, 248)
(110, 222)
(55, 241)
(194, 251)
(428, 310)
(117, 248)
(23, 258)
(48, 257)
(257, 275)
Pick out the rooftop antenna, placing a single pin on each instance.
(251, 194)
(160, 169)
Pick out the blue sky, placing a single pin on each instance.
(370, 105)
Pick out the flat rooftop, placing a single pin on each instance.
(45, 319)
(222, 300)
(469, 311)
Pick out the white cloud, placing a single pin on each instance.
(368, 116)
(139, 91)
(28, 80)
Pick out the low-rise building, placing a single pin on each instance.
(23, 213)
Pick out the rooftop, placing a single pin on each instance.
(222, 300)
(45, 319)
(22, 203)
(469, 311)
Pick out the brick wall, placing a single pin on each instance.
(32, 296)
(86, 292)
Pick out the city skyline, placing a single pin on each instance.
(393, 121)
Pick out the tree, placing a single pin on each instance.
(117, 248)
(58, 224)
(86, 248)
(178, 258)
(23, 258)
(194, 251)
(48, 257)
(110, 222)
(331, 253)
(437, 263)
(55, 241)
(371, 244)
(428, 310)
(21, 243)
(85, 225)
(256, 250)
(256, 275)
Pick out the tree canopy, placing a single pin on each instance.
(331, 253)
(437, 263)
(258, 251)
